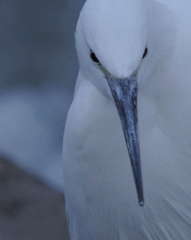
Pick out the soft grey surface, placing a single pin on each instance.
(29, 210)
(37, 41)
(38, 69)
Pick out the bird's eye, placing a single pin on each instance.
(145, 53)
(94, 58)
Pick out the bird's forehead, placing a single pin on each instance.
(114, 30)
(111, 17)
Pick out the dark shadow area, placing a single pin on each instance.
(29, 210)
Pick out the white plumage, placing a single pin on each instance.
(100, 192)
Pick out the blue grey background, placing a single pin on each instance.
(38, 69)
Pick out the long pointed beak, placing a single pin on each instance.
(124, 92)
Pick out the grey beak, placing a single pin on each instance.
(124, 92)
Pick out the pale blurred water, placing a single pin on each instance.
(38, 68)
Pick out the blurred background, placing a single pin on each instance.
(38, 69)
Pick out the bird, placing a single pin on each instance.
(127, 139)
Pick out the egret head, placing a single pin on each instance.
(111, 41)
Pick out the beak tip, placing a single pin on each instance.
(141, 203)
(139, 188)
(140, 196)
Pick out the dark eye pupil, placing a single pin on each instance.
(94, 58)
(145, 53)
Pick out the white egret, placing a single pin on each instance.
(122, 44)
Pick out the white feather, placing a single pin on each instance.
(99, 188)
